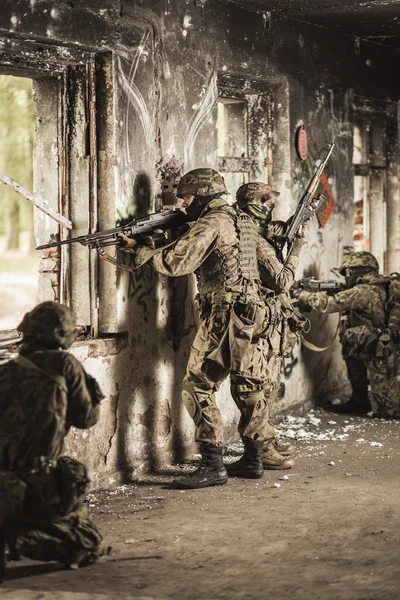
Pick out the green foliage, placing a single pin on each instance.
(17, 120)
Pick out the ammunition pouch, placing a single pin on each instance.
(253, 312)
(362, 342)
(357, 340)
(73, 481)
(384, 346)
(54, 488)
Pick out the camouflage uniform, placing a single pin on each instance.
(254, 199)
(223, 247)
(366, 335)
(43, 392)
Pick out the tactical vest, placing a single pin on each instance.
(232, 268)
(358, 317)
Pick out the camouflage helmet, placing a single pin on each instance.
(50, 324)
(201, 182)
(254, 193)
(359, 259)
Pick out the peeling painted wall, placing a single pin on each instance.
(166, 60)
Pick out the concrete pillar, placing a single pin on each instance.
(393, 194)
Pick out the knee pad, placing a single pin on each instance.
(245, 396)
(196, 400)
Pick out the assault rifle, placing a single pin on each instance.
(308, 203)
(330, 286)
(141, 229)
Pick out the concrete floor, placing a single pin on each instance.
(329, 531)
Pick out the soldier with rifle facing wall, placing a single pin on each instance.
(372, 302)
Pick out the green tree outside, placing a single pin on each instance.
(17, 122)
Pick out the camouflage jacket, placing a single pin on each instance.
(37, 411)
(365, 302)
(210, 233)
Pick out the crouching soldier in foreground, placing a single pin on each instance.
(43, 392)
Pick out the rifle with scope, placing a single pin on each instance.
(309, 284)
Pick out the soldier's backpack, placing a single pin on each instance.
(388, 342)
(393, 306)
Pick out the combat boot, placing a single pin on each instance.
(271, 459)
(356, 405)
(211, 470)
(284, 448)
(250, 464)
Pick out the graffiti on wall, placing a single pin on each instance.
(202, 113)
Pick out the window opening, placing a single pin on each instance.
(233, 141)
(244, 132)
(370, 161)
(20, 261)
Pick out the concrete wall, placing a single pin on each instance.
(165, 63)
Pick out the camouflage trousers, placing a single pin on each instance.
(210, 362)
(60, 539)
(385, 387)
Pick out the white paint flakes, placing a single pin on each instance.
(332, 464)
(376, 444)
(277, 485)
(187, 21)
(14, 21)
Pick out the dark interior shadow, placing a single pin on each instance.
(21, 571)
(181, 331)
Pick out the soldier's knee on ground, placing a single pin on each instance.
(196, 400)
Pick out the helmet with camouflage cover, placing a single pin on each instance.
(201, 182)
(254, 192)
(356, 260)
(49, 324)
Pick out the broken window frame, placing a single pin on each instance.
(81, 281)
(258, 96)
(373, 113)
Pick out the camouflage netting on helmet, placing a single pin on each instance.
(50, 324)
(201, 182)
(254, 193)
(359, 259)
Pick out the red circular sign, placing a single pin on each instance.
(301, 143)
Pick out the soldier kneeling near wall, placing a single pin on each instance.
(372, 303)
(43, 392)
